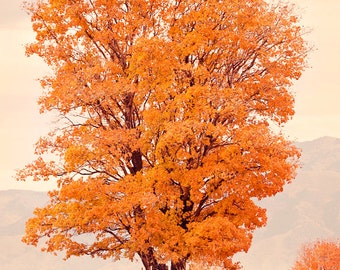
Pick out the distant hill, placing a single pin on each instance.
(307, 209)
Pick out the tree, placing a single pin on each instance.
(166, 138)
(319, 255)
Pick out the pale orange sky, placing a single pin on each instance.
(317, 92)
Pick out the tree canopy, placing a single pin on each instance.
(319, 255)
(165, 139)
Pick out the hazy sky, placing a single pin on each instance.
(317, 92)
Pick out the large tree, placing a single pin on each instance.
(170, 125)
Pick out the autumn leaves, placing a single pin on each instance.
(168, 108)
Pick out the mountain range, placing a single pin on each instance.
(308, 209)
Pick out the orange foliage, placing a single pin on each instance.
(320, 255)
(167, 139)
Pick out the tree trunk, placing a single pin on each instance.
(179, 265)
(149, 261)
